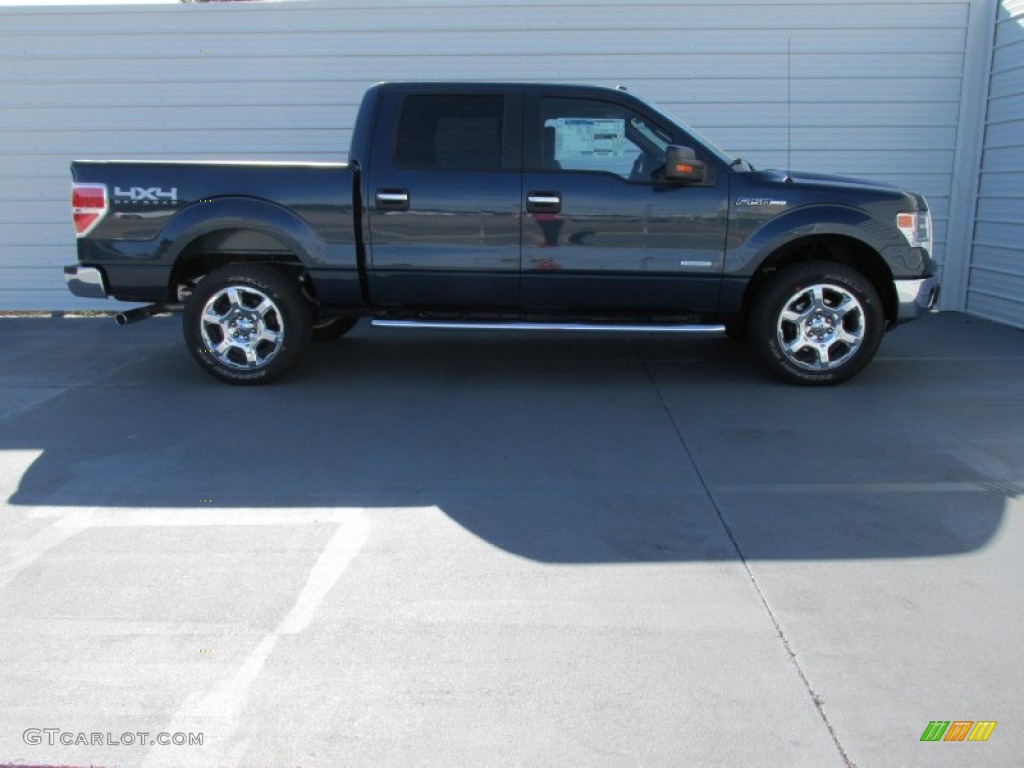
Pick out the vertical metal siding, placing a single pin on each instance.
(996, 280)
(875, 86)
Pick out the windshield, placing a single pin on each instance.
(655, 136)
(714, 149)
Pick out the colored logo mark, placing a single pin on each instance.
(958, 730)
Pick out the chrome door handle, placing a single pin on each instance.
(543, 202)
(393, 199)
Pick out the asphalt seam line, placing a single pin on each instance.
(94, 382)
(815, 698)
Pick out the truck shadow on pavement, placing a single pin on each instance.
(562, 449)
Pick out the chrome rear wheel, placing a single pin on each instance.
(247, 323)
(242, 327)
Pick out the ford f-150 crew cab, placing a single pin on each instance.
(505, 206)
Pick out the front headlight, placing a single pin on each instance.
(917, 228)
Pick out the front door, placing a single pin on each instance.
(602, 230)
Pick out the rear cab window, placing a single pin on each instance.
(451, 132)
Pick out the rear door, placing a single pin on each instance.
(443, 197)
(602, 230)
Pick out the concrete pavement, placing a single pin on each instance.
(436, 548)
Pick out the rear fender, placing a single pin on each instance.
(241, 213)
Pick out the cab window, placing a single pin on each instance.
(601, 137)
(462, 133)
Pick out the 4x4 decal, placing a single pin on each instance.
(148, 195)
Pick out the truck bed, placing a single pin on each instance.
(163, 215)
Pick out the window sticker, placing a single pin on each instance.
(588, 139)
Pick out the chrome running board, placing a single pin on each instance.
(521, 326)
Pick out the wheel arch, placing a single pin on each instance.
(208, 235)
(841, 249)
(215, 249)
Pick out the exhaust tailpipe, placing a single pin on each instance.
(139, 313)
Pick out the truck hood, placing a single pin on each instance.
(810, 181)
(809, 178)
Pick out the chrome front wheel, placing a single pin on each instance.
(817, 322)
(821, 327)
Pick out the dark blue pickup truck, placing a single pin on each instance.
(506, 206)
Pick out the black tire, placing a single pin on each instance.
(333, 328)
(817, 323)
(737, 330)
(262, 308)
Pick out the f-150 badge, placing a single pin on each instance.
(758, 201)
(148, 195)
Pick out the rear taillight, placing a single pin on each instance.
(88, 205)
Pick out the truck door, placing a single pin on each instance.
(602, 229)
(443, 197)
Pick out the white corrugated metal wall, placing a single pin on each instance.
(876, 86)
(995, 287)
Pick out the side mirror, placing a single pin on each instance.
(681, 164)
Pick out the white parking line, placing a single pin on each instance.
(133, 517)
(216, 712)
(43, 541)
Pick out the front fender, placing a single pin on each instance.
(753, 238)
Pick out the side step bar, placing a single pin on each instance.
(521, 326)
